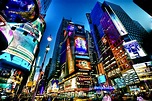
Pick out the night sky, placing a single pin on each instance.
(76, 10)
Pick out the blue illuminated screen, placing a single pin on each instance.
(80, 45)
(101, 79)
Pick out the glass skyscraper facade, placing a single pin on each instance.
(118, 41)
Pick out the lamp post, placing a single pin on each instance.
(41, 68)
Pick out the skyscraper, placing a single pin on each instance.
(71, 62)
(56, 53)
(118, 41)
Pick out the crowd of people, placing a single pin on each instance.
(142, 96)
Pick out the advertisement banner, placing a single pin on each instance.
(21, 49)
(80, 46)
(144, 70)
(83, 64)
(70, 60)
(130, 77)
(134, 49)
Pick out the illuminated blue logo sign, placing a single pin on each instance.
(15, 60)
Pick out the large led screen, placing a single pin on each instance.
(70, 27)
(35, 29)
(20, 10)
(119, 82)
(101, 79)
(83, 64)
(10, 79)
(144, 70)
(54, 86)
(70, 84)
(38, 27)
(80, 46)
(21, 50)
(130, 77)
(134, 49)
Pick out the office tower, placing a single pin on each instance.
(44, 5)
(118, 40)
(72, 58)
(56, 53)
(145, 5)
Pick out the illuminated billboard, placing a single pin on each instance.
(38, 28)
(144, 70)
(20, 11)
(119, 82)
(54, 86)
(134, 49)
(70, 27)
(101, 68)
(10, 79)
(21, 50)
(80, 46)
(130, 77)
(35, 29)
(101, 79)
(83, 64)
(64, 71)
(70, 84)
(70, 60)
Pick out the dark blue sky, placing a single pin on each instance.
(76, 10)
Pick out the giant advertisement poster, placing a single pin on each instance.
(144, 70)
(134, 49)
(83, 64)
(70, 58)
(80, 46)
(21, 50)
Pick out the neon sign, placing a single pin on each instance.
(104, 87)
(15, 60)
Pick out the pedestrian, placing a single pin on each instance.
(139, 98)
(106, 97)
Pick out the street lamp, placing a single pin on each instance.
(41, 68)
(49, 38)
(46, 51)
